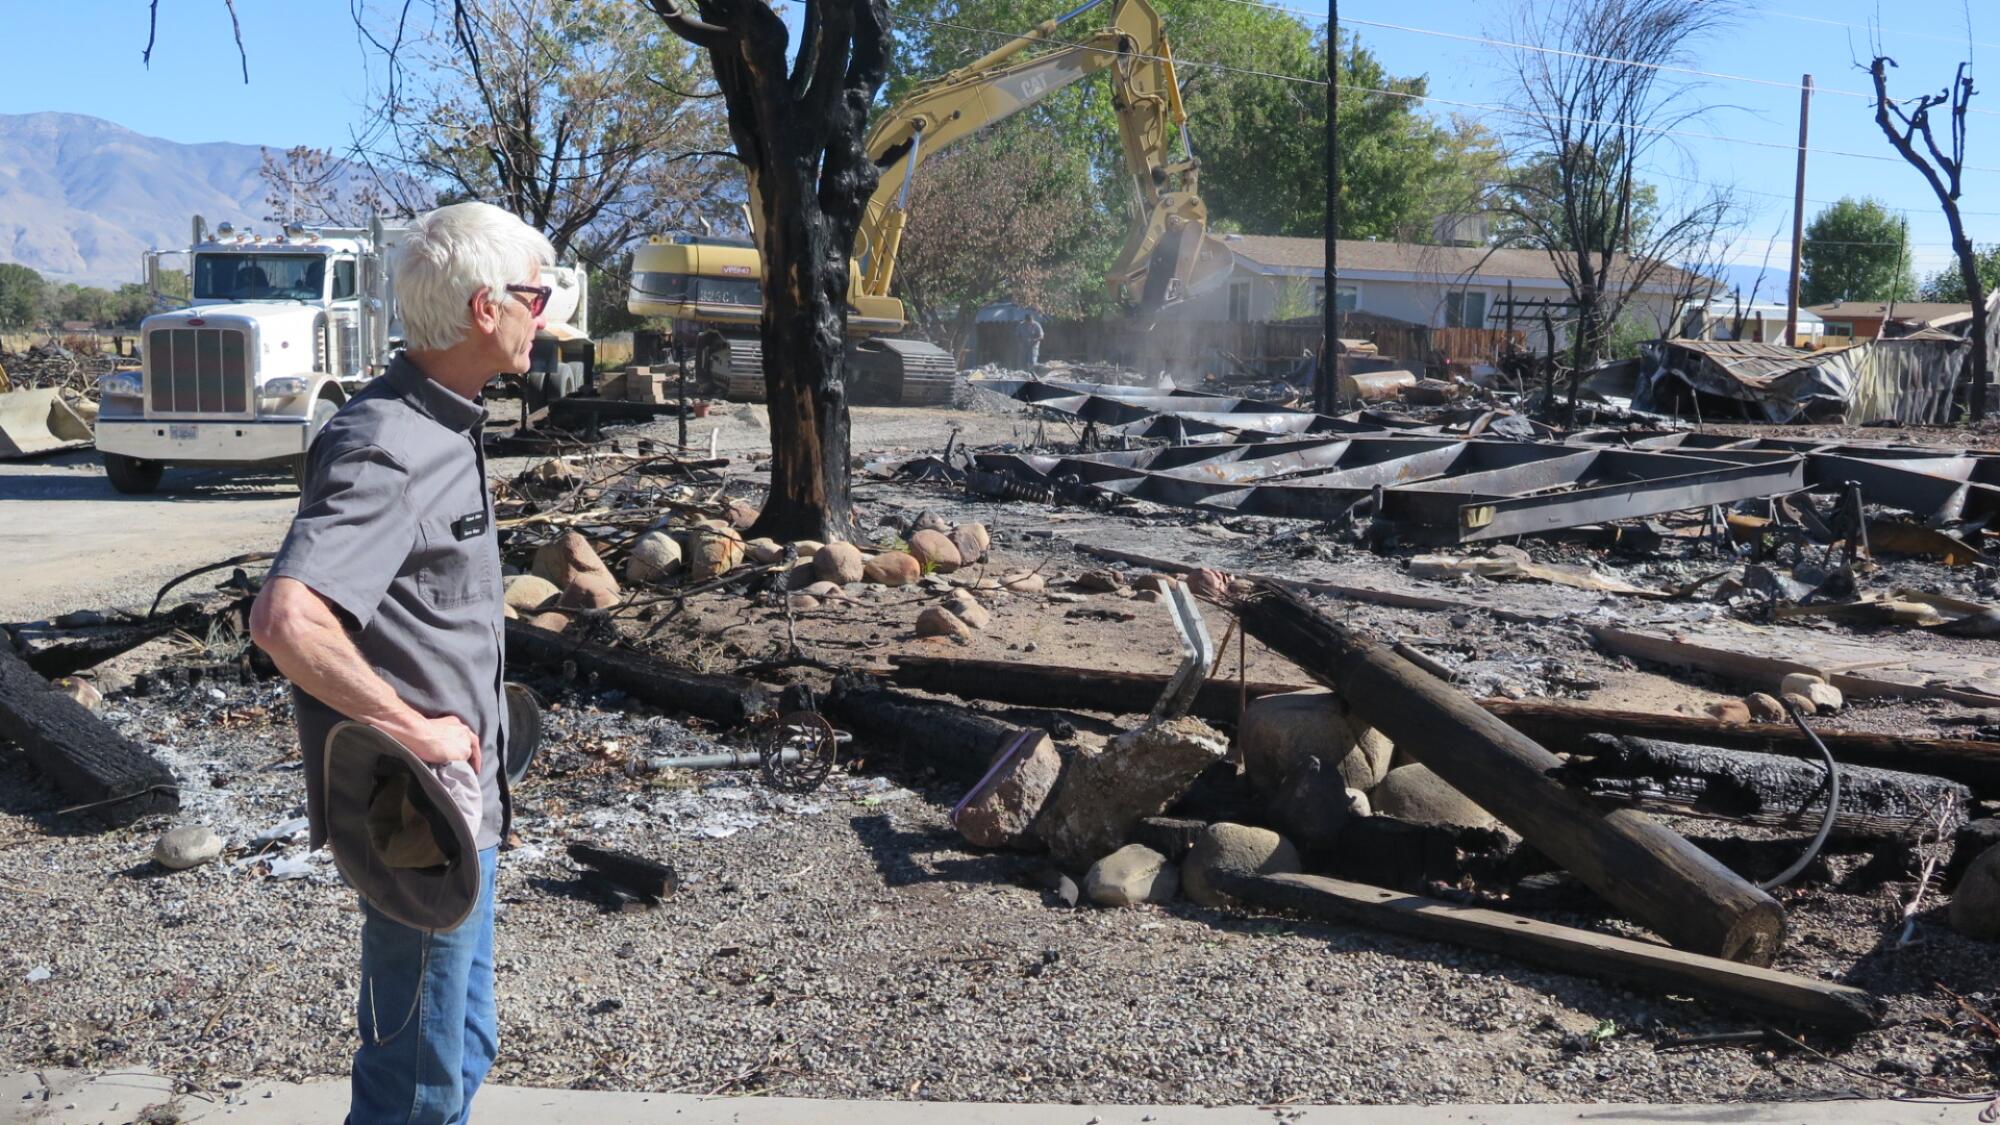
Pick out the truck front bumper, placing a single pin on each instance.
(204, 443)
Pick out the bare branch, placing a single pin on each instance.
(236, 25)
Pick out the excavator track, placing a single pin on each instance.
(881, 372)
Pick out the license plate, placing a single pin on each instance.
(181, 433)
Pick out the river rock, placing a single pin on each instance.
(530, 592)
(839, 562)
(1100, 581)
(800, 603)
(561, 560)
(1764, 708)
(1825, 698)
(892, 568)
(1730, 711)
(1025, 583)
(190, 845)
(1131, 875)
(933, 549)
(551, 620)
(807, 548)
(742, 513)
(589, 590)
(81, 690)
(1236, 849)
(712, 554)
(1975, 905)
(938, 621)
(654, 556)
(1278, 732)
(1414, 793)
(967, 609)
(1001, 810)
(763, 552)
(971, 540)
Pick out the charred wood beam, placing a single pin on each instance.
(958, 743)
(1743, 785)
(109, 776)
(1643, 965)
(64, 647)
(1567, 727)
(1636, 863)
(727, 700)
(1081, 689)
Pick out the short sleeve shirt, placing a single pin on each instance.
(396, 529)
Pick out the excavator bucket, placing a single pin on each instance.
(1187, 261)
(33, 422)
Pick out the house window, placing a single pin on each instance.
(1465, 309)
(1346, 298)
(1839, 328)
(1239, 301)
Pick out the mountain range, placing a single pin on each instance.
(81, 197)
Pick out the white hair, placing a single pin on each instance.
(451, 254)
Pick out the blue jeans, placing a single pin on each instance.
(428, 1027)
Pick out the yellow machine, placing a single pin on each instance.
(710, 286)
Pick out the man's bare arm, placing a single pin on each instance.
(305, 638)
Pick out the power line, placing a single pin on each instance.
(1178, 62)
(1872, 30)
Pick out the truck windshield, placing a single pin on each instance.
(259, 277)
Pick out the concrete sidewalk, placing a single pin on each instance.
(76, 1098)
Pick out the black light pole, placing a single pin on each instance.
(1327, 390)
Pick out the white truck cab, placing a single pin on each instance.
(279, 330)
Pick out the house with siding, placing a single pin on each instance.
(1278, 278)
(1864, 320)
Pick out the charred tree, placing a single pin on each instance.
(799, 133)
(1945, 173)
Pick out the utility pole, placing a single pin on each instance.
(1328, 388)
(1798, 218)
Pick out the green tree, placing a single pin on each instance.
(22, 293)
(1531, 204)
(1856, 250)
(1948, 284)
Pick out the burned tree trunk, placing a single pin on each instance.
(111, 776)
(1766, 789)
(1945, 174)
(800, 137)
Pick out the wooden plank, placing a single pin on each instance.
(1628, 858)
(90, 762)
(1080, 689)
(1762, 657)
(1654, 968)
(727, 700)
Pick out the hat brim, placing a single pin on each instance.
(423, 898)
(524, 731)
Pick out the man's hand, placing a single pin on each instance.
(438, 741)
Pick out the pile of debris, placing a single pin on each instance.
(52, 365)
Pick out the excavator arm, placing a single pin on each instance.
(1167, 253)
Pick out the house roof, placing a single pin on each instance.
(1921, 311)
(1489, 264)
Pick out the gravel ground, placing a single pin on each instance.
(842, 944)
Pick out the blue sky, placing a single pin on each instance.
(307, 86)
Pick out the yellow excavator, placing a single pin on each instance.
(709, 286)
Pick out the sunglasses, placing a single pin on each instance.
(537, 297)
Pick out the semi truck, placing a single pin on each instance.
(277, 331)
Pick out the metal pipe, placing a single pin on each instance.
(727, 760)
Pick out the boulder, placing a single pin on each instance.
(966, 608)
(763, 552)
(589, 590)
(563, 559)
(1826, 699)
(1764, 708)
(933, 549)
(1416, 794)
(551, 620)
(1278, 732)
(1100, 581)
(807, 548)
(1804, 703)
(839, 562)
(938, 621)
(1000, 811)
(1131, 875)
(712, 554)
(926, 520)
(530, 592)
(1730, 711)
(1313, 806)
(190, 845)
(972, 541)
(892, 568)
(654, 556)
(1137, 774)
(742, 513)
(1234, 849)
(1025, 583)
(1156, 583)
(1975, 905)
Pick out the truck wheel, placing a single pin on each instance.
(132, 475)
(323, 411)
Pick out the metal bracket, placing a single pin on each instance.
(1200, 654)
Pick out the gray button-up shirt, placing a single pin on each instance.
(396, 529)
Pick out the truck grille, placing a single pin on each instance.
(197, 371)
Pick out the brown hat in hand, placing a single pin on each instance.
(401, 829)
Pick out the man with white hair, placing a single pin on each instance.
(384, 607)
